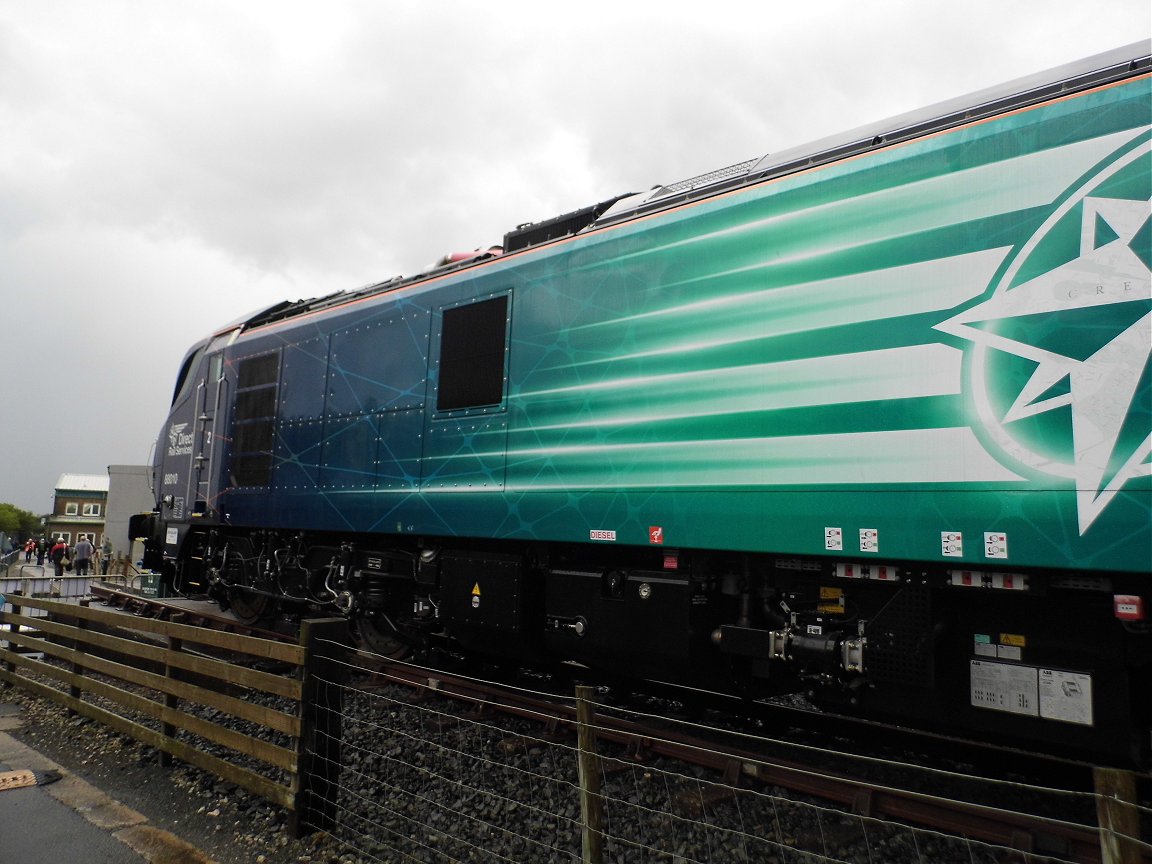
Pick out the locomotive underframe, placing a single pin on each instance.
(1033, 656)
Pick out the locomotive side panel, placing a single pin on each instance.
(299, 433)
(856, 358)
(839, 362)
(347, 422)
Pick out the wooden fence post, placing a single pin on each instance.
(74, 690)
(1116, 812)
(317, 780)
(591, 803)
(172, 673)
(13, 627)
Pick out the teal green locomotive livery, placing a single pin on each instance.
(870, 418)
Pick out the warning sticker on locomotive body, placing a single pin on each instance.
(1066, 696)
(1004, 687)
(1048, 693)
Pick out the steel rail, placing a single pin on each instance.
(161, 609)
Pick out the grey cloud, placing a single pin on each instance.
(167, 167)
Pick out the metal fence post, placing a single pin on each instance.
(591, 803)
(321, 708)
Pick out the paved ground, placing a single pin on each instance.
(71, 820)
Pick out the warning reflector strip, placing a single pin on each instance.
(876, 572)
(979, 579)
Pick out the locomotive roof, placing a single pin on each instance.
(1110, 66)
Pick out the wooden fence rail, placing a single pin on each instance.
(172, 669)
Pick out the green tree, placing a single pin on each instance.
(18, 523)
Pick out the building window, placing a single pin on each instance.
(91, 509)
(71, 509)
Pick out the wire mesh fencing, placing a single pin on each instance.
(426, 778)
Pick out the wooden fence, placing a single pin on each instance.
(146, 679)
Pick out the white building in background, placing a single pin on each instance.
(78, 508)
(98, 506)
(129, 493)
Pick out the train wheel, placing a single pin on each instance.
(379, 638)
(249, 607)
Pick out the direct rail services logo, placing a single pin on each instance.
(179, 441)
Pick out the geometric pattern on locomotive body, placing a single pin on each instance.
(870, 419)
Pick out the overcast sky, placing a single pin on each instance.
(166, 167)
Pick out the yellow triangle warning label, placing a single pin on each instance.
(476, 590)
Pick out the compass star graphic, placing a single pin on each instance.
(1085, 323)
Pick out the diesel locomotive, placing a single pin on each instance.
(869, 419)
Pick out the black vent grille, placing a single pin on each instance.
(254, 420)
(900, 649)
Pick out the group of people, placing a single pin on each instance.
(84, 559)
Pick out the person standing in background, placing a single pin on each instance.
(83, 557)
(58, 554)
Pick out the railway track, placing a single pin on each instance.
(1032, 834)
(197, 612)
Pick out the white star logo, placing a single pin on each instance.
(1099, 382)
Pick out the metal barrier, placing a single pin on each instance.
(8, 559)
(34, 580)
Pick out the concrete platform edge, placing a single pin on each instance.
(125, 824)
